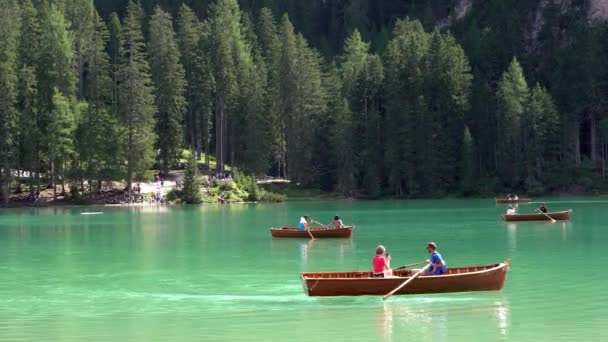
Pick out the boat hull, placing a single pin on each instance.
(558, 216)
(512, 201)
(287, 232)
(462, 279)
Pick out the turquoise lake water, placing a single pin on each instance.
(213, 273)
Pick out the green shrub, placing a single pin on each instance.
(267, 196)
(191, 193)
(174, 195)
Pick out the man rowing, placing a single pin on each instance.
(511, 210)
(438, 265)
(542, 208)
(304, 223)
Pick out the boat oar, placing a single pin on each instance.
(409, 265)
(309, 233)
(406, 282)
(550, 218)
(319, 223)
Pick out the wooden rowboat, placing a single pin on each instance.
(458, 279)
(288, 232)
(558, 216)
(512, 201)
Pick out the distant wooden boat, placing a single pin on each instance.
(458, 279)
(558, 216)
(288, 232)
(512, 201)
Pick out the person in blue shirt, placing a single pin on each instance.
(438, 265)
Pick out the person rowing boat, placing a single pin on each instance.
(511, 210)
(304, 223)
(542, 208)
(438, 265)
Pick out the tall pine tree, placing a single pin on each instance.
(169, 79)
(136, 96)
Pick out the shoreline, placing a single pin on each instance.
(329, 198)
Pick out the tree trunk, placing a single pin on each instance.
(63, 178)
(53, 181)
(593, 138)
(218, 133)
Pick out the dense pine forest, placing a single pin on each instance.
(368, 98)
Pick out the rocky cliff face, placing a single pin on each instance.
(598, 11)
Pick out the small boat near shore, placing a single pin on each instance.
(457, 279)
(512, 201)
(557, 215)
(289, 232)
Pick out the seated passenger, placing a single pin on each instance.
(337, 222)
(511, 210)
(381, 263)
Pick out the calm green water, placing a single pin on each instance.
(214, 273)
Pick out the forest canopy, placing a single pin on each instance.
(367, 98)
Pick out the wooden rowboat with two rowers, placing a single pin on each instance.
(288, 232)
(558, 216)
(512, 201)
(458, 279)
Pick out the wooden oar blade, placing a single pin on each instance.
(406, 282)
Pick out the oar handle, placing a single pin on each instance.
(317, 222)
(550, 218)
(407, 281)
(410, 265)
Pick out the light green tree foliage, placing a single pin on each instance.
(406, 132)
(229, 57)
(541, 126)
(254, 133)
(189, 33)
(270, 49)
(513, 96)
(115, 44)
(362, 78)
(61, 137)
(98, 145)
(191, 193)
(170, 83)
(28, 130)
(81, 15)
(136, 96)
(56, 59)
(9, 31)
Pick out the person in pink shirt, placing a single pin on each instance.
(381, 263)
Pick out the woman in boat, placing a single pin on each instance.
(511, 210)
(337, 222)
(509, 197)
(438, 265)
(381, 263)
(542, 208)
(304, 224)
